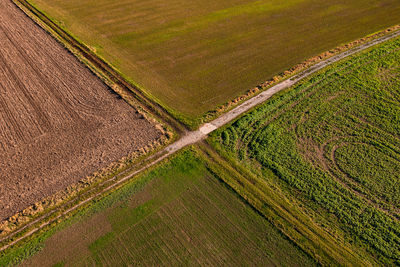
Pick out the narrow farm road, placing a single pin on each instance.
(195, 136)
(205, 129)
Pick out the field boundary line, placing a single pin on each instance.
(265, 95)
(174, 117)
(189, 137)
(99, 65)
(319, 245)
(193, 137)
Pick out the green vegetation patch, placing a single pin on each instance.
(333, 144)
(192, 56)
(183, 215)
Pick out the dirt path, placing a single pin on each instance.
(195, 136)
(204, 130)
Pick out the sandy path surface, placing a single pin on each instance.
(58, 122)
(195, 136)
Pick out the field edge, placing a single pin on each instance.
(22, 219)
(194, 122)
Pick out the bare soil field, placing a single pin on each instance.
(58, 122)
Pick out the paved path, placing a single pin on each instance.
(196, 136)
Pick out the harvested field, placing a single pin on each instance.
(178, 214)
(332, 143)
(195, 55)
(58, 122)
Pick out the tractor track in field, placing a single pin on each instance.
(188, 137)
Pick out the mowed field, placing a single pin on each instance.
(58, 122)
(332, 143)
(177, 214)
(194, 55)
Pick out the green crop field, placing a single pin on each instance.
(332, 145)
(177, 214)
(192, 56)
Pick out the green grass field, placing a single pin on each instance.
(332, 145)
(177, 214)
(195, 55)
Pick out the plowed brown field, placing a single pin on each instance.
(58, 122)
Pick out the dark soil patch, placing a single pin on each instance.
(58, 122)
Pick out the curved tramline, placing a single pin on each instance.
(330, 156)
(332, 143)
(195, 136)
